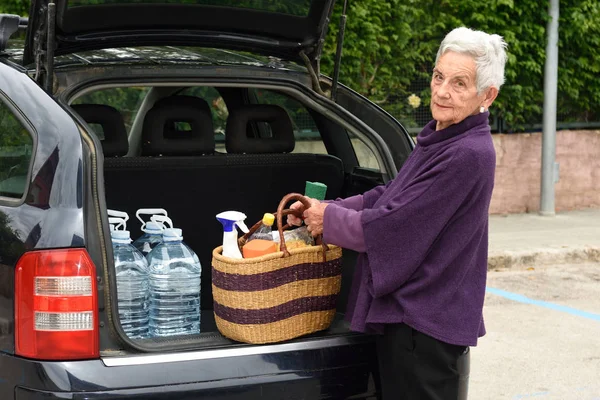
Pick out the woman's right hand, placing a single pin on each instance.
(292, 219)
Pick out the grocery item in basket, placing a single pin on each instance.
(174, 279)
(315, 190)
(231, 220)
(265, 231)
(258, 247)
(296, 238)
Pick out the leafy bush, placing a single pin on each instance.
(390, 45)
(18, 7)
(390, 48)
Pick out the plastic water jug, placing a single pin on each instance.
(132, 285)
(174, 287)
(151, 238)
(152, 229)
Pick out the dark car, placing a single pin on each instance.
(196, 107)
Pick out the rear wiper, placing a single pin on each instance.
(338, 52)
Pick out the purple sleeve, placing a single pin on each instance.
(352, 203)
(343, 227)
(361, 201)
(342, 221)
(370, 197)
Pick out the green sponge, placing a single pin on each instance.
(315, 190)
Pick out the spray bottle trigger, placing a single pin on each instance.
(242, 226)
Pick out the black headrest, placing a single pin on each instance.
(111, 121)
(178, 125)
(236, 131)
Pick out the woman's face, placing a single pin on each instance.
(453, 90)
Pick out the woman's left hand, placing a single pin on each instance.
(313, 218)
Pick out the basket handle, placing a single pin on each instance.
(244, 238)
(281, 212)
(281, 227)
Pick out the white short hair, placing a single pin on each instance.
(487, 50)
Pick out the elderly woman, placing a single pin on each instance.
(423, 237)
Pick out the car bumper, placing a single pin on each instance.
(322, 369)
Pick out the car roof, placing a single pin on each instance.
(163, 55)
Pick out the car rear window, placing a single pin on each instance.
(126, 99)
(290, 7)
(307, 135)
(16, 147)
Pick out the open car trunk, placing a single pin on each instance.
(173, 160)
(194, 189)
(194, 182)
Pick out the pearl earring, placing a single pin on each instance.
(482, 109)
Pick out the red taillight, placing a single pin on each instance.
(56, 305)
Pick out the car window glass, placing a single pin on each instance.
(126, 99)
(390, 129)
(16, 147)
(366, 157)
(218, 110)
(98, 129)
(307, 136)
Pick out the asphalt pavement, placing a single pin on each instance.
(542, 309)
(543, 335)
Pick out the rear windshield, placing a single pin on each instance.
(292, 7)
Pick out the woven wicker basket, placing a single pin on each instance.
(277, 296)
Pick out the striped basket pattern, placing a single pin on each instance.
(277, 296)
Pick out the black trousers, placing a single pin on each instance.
(415, 366)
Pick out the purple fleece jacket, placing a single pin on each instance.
(423, 237)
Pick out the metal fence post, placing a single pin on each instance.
(549, 168)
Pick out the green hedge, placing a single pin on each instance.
(19, 7)
(390, 48)
(391, 44)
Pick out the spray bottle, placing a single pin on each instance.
(231, 219)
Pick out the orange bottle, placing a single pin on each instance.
(258, 247)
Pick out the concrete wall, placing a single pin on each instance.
(518, 167)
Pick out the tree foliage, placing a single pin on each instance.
(12, 131)
(11, 247)
(18, 7)
(390, 48)
(16, 145)
(391, 45)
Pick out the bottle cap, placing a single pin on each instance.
(153, 227)
(315, 190)
(268, 219)
(121, 236)
(172, 235)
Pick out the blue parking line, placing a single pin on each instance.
(524, 396)
(522, 299)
